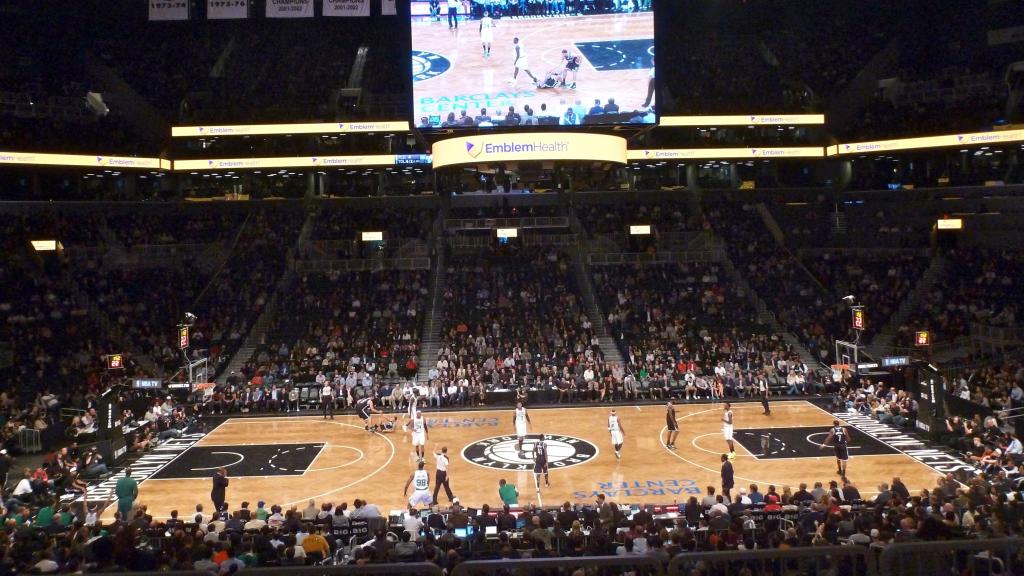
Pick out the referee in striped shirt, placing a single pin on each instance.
(441, 475)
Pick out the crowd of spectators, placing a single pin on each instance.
(879, 281)
(344, 326)
(800, 304)
(685, 332)
(336, 230)
(49, 536)
(979, 286)
(514, 319)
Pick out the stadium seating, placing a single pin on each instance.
(512, 318)
(336, 323)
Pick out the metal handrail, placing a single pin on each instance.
(645, 564)
(739, 558)
(895, 557)
(404, 569)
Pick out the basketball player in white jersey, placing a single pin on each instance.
(520, 62)
(419, 436)
(420, 480)
(727, 429)
(618, 434)
(487, 33)
(522, 421)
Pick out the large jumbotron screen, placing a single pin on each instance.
(490, 63)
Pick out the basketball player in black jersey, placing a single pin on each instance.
(540, 463)
(671, 425)
(842, 446)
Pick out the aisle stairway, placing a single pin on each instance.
(610, 348)
(430, 339)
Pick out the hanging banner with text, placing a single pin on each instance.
(350, 8)
(535, 147)
(285, 162)
(168, 10)
(84, 160)
(289, 8)
(726, 153)
(227, 9)
(388, 8)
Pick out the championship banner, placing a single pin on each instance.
(350, 8)
(227, 9)
(168, 10)
(388, 8)
(289, 8)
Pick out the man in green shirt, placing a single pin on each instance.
(126, 490)
(44, 519)
(508, 493)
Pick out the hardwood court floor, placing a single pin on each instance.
(288, 461)
(471, 75)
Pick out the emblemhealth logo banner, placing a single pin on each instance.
(284, 162)
(529, 147)
(975, 138)
(86, 160)
(743, 120)
(727, 153)
(307, 128)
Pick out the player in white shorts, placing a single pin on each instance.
(522, 422)
(419, 436)
(420, 480)
(486, 33)
(727, 429)
(520, 62)
(618, 434)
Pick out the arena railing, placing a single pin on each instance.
(811, 560)
(639, 565)
(359, 265)
(403, 569)
(988, 557)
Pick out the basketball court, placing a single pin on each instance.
(451, 73)
(290, 460)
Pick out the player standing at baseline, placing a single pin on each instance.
(522, 421)
(671, 425)
(617, 432)
(727, 420)
(540, 463)
(520, 62)
(419, 436)
(842, 446)
(486, 33)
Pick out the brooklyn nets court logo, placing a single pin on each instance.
(426, 65)
(499, 452)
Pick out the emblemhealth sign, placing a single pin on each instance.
(972, 139)
(743, 120)
(285, 162)
(529, 147)
(726, 153)
(308, 128)
(88, 161)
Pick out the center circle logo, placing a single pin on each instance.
(426, 65)
(501, 453)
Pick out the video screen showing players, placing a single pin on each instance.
(491, 63)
